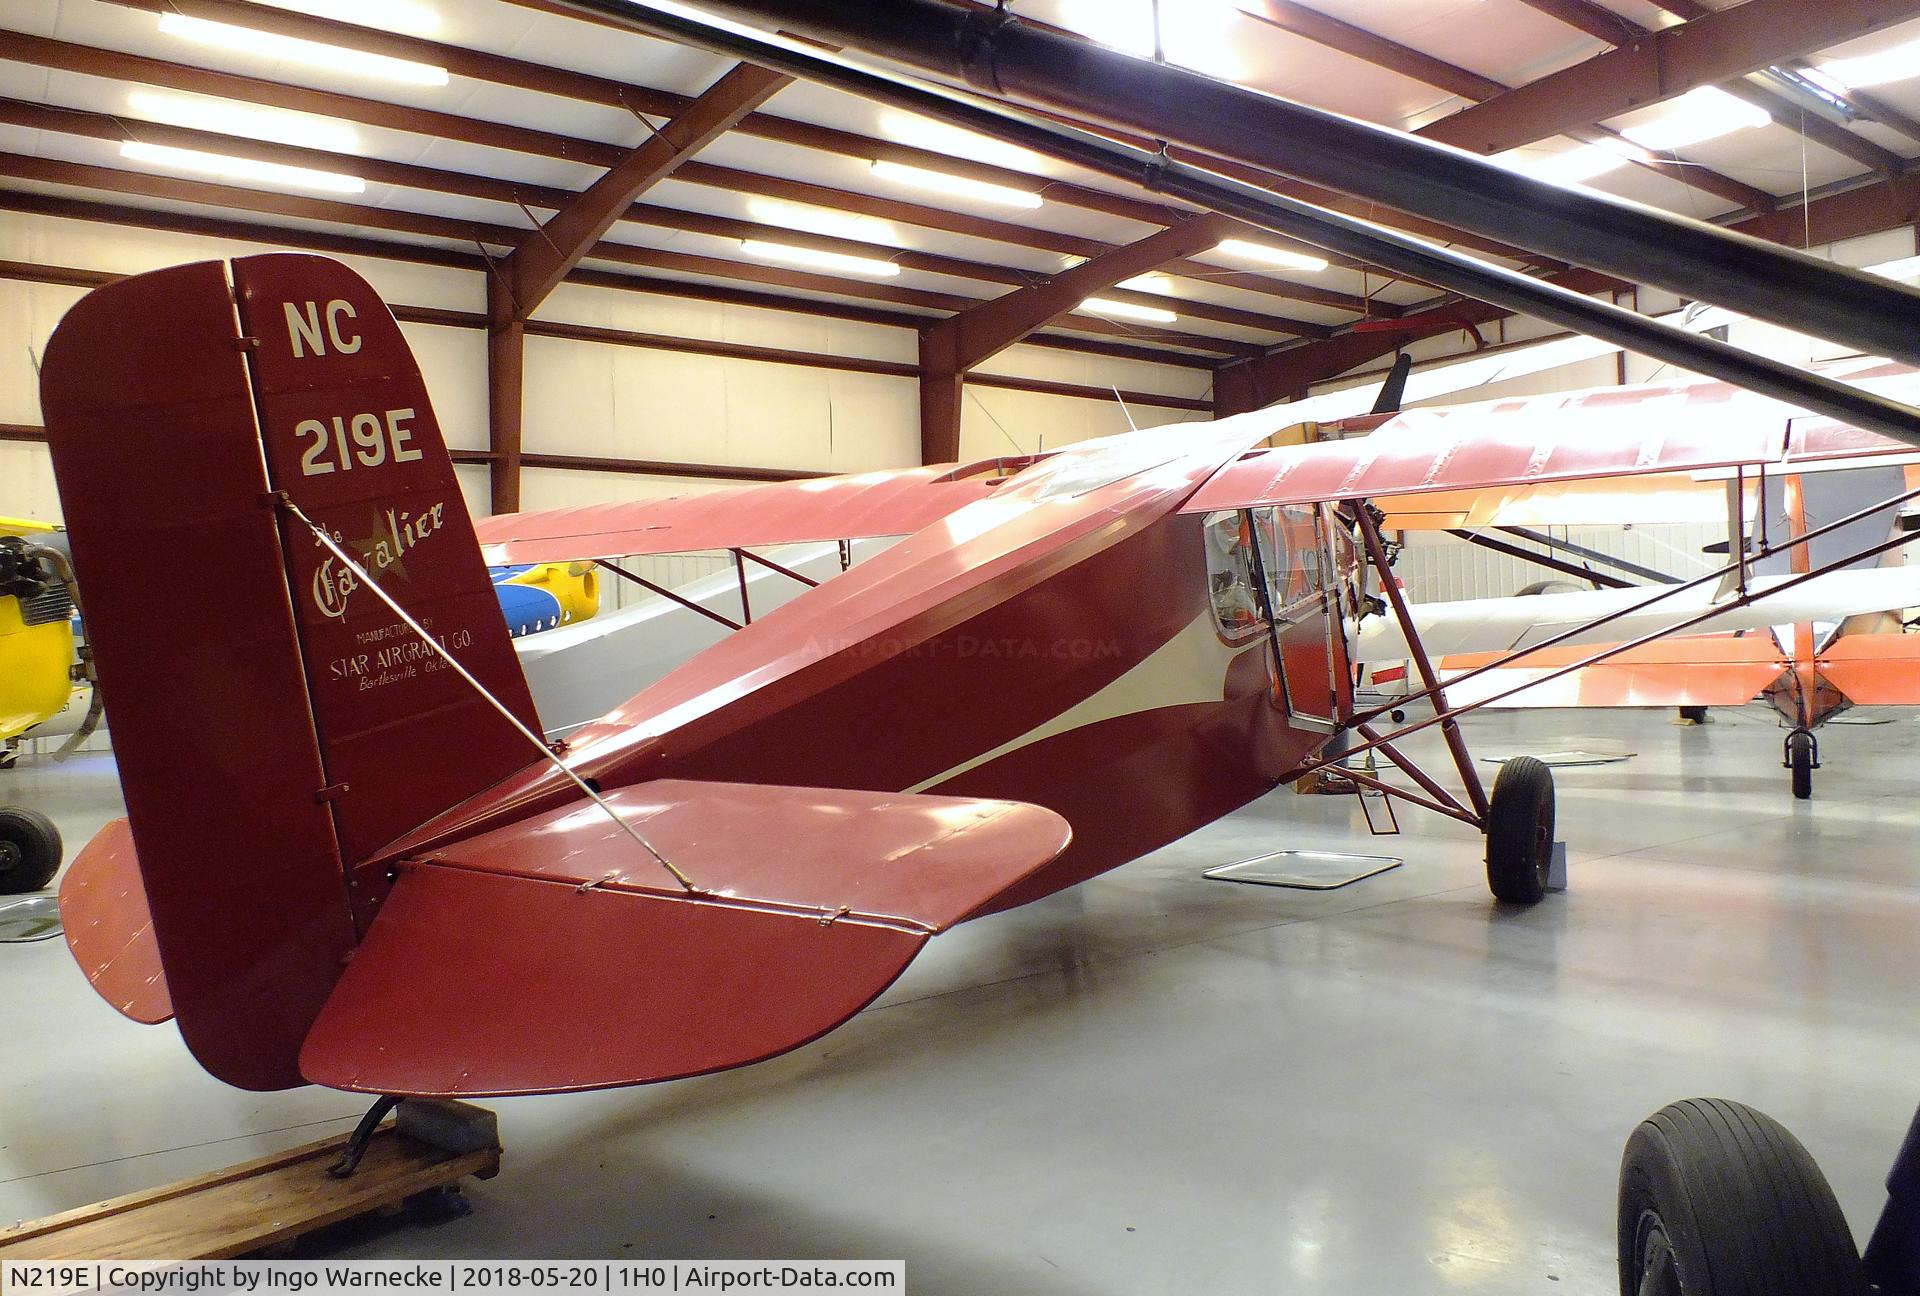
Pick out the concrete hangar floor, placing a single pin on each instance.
(1161, 1084)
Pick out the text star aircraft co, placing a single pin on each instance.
(369, 874)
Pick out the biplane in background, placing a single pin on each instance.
(1050, 675)
(1835, 639)
(45, 687)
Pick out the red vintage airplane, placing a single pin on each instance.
(370, 874)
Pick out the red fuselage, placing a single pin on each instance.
(1054, 643)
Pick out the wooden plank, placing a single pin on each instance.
(248, 1207)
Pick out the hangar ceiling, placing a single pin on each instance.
(473, 132)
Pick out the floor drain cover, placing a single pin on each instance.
(30, 918)
(1304, 870)
(1559, 758)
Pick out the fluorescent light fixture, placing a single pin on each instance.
(955, 141)
(1126, 310)
(333, 58)
(958, 186)
(1696, 116)
(781, 214)
(1198, 34)
(391, 15)
(1151, 283)
(1897, 64)
(237, 168)
(814, 258)
(1572, 166)
(223, 117)
(1247, 250)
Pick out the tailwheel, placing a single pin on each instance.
(1717, 1199)
(29, 850)
(1803, 758)
(1520, 831)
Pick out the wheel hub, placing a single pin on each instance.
(1659, 1272)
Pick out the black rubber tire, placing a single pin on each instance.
(29, 850)
(1717, 1199)
(1800, 761)
(1520, 831)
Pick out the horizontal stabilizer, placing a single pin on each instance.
(104, 911)
(1874, 669)
(558, 954)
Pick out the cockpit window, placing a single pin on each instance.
(1290, 557)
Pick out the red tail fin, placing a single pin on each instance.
(273, 723)
(351, 437)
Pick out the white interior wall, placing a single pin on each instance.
(599, 399)
(1436, 566)
(1001, 421)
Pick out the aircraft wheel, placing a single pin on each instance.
(1520, 831)
(29, 850)
(1717, 1199)
(1800, 759)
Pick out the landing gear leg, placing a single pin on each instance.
(1803, 758)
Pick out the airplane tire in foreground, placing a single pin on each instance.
(1717, 1199)
(29, 850)
(1520, 831)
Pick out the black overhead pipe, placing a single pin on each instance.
(1030, 64)
(1389, 249)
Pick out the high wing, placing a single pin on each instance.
(1694, 670)
(852, 507)
(1696, 427)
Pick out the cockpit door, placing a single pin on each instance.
(1300, 552)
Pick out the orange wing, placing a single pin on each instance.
(1696, 670)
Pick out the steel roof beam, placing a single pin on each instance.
(1616, 29)
(1415, 65)
(47, 52)
(1626, 239)
(501, 69)
(952, 346)
(1002, 53)
(1655, 66)
(434, 255)
(538, 265)
(1289, 374)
